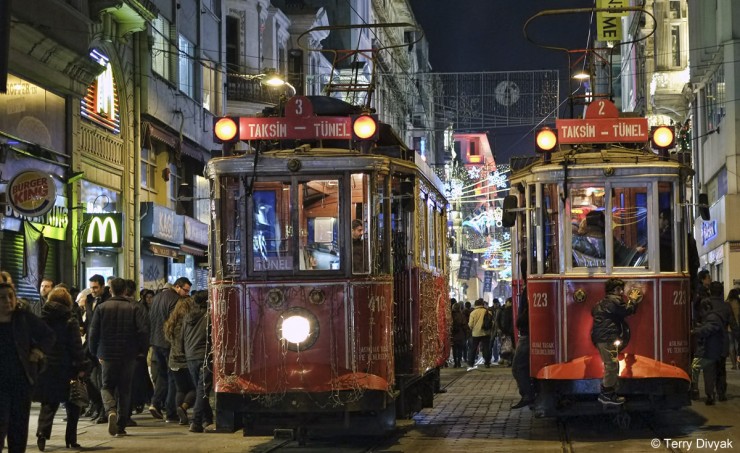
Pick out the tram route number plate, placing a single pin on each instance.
(602, 130)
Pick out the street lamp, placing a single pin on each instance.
(270, 78)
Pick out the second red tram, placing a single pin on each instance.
(602, 175)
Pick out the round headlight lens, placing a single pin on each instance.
(296, 329)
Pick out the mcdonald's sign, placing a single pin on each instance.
(103, 230)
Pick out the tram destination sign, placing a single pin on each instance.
(299, 123)
(325, 127)
(602, 130)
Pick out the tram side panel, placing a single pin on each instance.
(544, 322)
(675, 324)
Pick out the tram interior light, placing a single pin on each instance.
(226, 130)
(545, 140)
(663, 137)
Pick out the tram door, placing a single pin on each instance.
(402, 236)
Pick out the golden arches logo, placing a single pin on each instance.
(102, 225)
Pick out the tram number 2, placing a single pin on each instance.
(539, 300)
(679, 298)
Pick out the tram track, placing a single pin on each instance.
(566, 446)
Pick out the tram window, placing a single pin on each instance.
(271, 229)
(319, 226)
(360, 236)
(629, 222)
(228, 225)
(380, 256)
(666, 226)
(550, 228)
(588, 225)
(532, 227)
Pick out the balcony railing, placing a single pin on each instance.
(240, 89)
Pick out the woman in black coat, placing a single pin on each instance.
(24, 339)
(65, 362)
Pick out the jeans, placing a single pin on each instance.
(117, 375)
(496, 348)
(485, 347)
(710, 374)
(611, 365)
(202, 410)
(165, 388)
(520, 368)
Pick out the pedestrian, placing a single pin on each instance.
(609, 331)
(196, 335)
(65, 362)
(118, 333)
(459, 335)
(711, 342)
(480, 336)
(177, 362)
(520, 363)
(164, 387)
(142, 388)
(496, 311)
(733, 299)
(45, 287)
(24, 341)
(506, 328)
(98, 294)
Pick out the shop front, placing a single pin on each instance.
(162, 234)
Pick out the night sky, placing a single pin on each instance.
(487, 35)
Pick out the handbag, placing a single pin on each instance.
(506, 345)
(78, 393)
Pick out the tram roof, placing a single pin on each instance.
(587, 161)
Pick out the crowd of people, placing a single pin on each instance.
(131, 355)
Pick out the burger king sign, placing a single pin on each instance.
(32, 193)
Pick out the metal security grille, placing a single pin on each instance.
(478, 100)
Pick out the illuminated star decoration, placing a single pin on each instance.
(474, 172)
(497, 179)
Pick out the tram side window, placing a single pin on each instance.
(588, 226)
(381, 252)
(361, 240)
(227, 222)
(666, 226)
(319, 226)
(630, 220)
(550, 221)
(271, 229)
(532, 228)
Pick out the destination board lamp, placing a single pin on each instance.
(364, 131)
(545, 141)
(226, 129)
(662, 138)
(270, 78)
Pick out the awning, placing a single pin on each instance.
(195, 152)
(191, 250)
(158, 249)
(152, 132)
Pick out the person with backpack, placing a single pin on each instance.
(480, 318)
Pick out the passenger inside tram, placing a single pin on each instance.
(589, 244)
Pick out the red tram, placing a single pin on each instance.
(313, 324)
(601, 169)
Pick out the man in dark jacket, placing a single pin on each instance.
(711, 340)
(164, 389)
(196, 339)
(609, 328)
(99, 293)
(118, 333)
(520, 362)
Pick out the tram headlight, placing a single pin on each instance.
(298, 328)
(663, 138)
(545, 141)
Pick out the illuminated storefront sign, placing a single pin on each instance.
(100, 105)
(32, 193)
(103, 230)
(708, 231)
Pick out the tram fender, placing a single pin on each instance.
(631, 366)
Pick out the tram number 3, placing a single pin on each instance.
(679, 298)
(539, 300)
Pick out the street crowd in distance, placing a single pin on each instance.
(103, 354)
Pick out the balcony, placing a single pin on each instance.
(241, 89)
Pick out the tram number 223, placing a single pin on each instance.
(679, 297)
(539, 300)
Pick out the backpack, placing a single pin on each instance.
(487, 321)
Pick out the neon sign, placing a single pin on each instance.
(103, 230)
